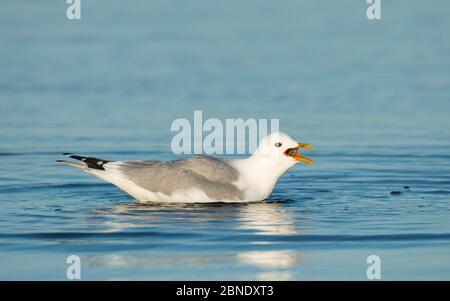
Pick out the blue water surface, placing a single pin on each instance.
(373, 97)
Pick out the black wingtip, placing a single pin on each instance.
(91, 162)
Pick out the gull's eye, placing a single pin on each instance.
(278, 144)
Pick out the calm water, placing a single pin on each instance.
(372, 97)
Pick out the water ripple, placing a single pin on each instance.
(237, 237)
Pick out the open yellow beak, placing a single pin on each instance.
(293, 153)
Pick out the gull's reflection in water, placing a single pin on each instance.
(273, 265)
(258, 226)
(269, 219)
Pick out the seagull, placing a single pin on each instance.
(201, 178)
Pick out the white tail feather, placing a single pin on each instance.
(74, 164)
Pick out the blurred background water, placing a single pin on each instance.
(372, 96)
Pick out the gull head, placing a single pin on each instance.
(281, 152)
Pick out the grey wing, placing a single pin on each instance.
(213, 176)
(213, 169)
(140, 163)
